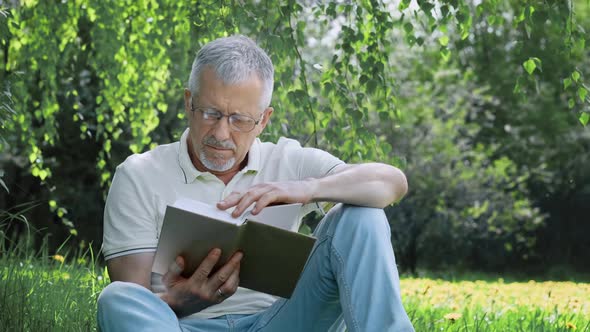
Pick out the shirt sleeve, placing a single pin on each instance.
(129, 218)
(316, 163)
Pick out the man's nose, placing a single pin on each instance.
(222, 129)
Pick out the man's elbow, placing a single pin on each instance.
(397, 184)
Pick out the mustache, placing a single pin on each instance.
(212, 141)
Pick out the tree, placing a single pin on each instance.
(93, 81)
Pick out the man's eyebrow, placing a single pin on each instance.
(238, 112)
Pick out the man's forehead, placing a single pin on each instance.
(242, 95)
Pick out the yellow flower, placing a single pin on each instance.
(59, 258)
(453, 316)
(570, 326)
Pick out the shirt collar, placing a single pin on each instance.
(191, 173)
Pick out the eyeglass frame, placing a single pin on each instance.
(222, 115)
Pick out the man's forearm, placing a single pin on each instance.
(374, 185)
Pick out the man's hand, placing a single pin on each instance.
(201, 290)
(265, 194)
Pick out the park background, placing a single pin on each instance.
(483, 104)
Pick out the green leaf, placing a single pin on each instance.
(571, 103)
(516, 87)
(530, 10)
(584, 117)
(445, 54)
(575, 76)
(566, 83)
(582, 93)
(529, 66)
(403, 4)
(444, 40)
(305, 229)
(408, 27)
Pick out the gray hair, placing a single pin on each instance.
(235, 59)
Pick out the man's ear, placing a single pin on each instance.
(187, 104)
(265, 118)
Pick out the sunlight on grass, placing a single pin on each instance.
(48, 295)
(59, 294)
(496, 306)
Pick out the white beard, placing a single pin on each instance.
(214, 166)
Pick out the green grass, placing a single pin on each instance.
(489, 304)
(45, 294)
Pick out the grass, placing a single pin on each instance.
(49, 293)
(495, 305)
(43, 292)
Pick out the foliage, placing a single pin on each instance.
(93, 81)
(531, 120)
(476, 206)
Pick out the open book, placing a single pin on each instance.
(274, 253)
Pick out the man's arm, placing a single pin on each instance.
(372, 184)
(135, 268)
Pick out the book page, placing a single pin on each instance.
(285, 216)
(207, 210)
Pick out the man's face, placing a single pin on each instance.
(214, 146)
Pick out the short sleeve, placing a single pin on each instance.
(316, 163)
(129, 217)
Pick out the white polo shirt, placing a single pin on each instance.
(144, 184)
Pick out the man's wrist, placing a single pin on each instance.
(179, 309)
(313, 186)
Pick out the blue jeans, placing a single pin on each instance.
(350, 277)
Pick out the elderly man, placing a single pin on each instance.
(350, 275)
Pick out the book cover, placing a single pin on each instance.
(274, 255)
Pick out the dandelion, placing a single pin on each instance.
(453, 316)
(59, 258)
(570, 326)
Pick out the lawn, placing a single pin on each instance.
(50, 294)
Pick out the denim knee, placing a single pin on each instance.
(114, 293)
(359, 221)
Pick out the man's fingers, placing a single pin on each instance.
(250, 197)
(264, 201)
(225, 272)
(231, 285)
(231, 200)
(174, 271)
(202, 272)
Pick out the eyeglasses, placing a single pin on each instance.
(237, 122)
